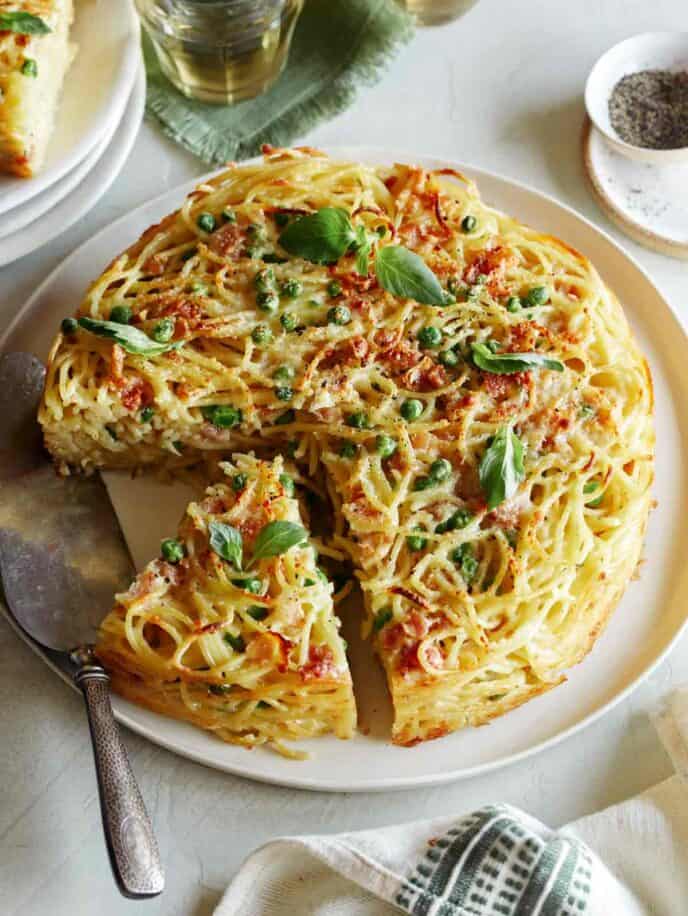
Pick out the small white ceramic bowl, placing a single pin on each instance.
(649, 51)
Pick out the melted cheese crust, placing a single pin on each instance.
(461, 642)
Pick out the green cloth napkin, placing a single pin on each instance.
(338, 46)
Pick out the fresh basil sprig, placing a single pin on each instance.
(501, 468)
(23, 24)
(321, 237)
(404, 273)
(363, 245)
(227, 543)
(130, 339)
(277, 538)
(505, 363)
(273, 540)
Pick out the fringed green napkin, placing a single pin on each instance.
(338, 46)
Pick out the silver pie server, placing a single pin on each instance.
(62, 558)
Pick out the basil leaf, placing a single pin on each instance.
(23, 24)
(501, 467)
(403, 273)
(504, 363)
(320, 237)
(227, 543)
(277, 538)
(130, 339)
(362, 251)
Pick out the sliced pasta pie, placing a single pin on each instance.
(35, 55)
(233, 628)
(465, 388)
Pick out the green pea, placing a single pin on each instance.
(284, 392)
(429, 337)
(465, 559)
(416, 542)
(288, 484)
(339, 314)
(206, 222)
(198, 287)
(334, 288)
(285, 418)
(348, 450)
(440, 469)
(382, 618)
(448, 358)
(252, 585)
(268, 301)
(537, 295)
(283, 373)
(288, 321)
(236, 642)
(163, 331)
(291, 288)
(386, 446)
(229, 216)
(257, 611)
(264, 280)
(468, 223)
(381, 231)
(239, 482)
(358, 420)
(172, 550)
(29, 67)
(411, 409)
(69, 326)
(121, 314)
(147, 414)
(423, 483)
(261, 335)
(224, 416)
(458, 519)
(513, 304)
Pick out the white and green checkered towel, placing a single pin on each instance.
(629, 860)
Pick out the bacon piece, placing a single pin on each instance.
(416, 624)
(499, 386)
(154, 265)
(408, 658)
(116, 375)
(401, 357)
(136, 394)
(492, 263)
(320, 664)
(412, 596)
(426, 376)
(351, 351)
(227, 240)
(188, 312)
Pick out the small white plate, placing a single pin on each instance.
(642, 630)
(648, 202)
(96, 89)
(19, 217)
(86, 194)
(648, 51)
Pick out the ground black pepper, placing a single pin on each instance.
(650, 109)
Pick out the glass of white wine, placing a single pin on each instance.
(220, 51)
(436, 12)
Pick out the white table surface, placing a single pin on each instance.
(501, 88)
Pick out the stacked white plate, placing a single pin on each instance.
(99, 116)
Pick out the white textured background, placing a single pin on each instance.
(501, 88)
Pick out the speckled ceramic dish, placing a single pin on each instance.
(648, 202)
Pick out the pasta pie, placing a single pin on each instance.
(34, 56)
(465, 388)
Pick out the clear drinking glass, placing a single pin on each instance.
(435, 12)
(220, 51)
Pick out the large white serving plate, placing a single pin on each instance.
(642, 630)
(96, 89)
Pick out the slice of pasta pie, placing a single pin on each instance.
(233, 628)
(466, 387)
(35, 55)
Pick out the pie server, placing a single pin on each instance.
(62, 558)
